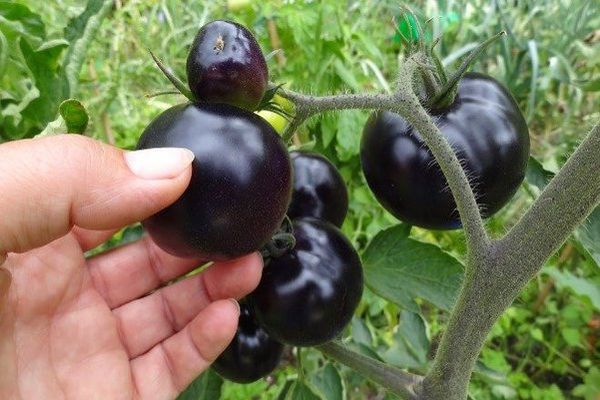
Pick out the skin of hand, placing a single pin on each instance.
(105, 327)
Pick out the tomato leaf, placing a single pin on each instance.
(411, 343)
(580, 286)
(300, 391)
(206, 386)
(400, 269)
(75, 115)
(536, 175)
(330, 383)
(588, 235)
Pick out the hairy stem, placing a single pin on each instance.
(397, 381)
(494, 279)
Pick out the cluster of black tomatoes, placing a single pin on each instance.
(243, 184)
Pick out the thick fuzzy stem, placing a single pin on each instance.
(494, 280)
(399, 382)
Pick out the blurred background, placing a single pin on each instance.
(546, 345)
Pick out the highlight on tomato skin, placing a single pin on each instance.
(226, 65)
(240, 186)
(252, 354)
(307, 296)
(489, 135)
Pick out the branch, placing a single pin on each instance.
(406, 103)
(495, 279)
(564, 204)
(395, 380)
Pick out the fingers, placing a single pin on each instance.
(50, 184)
(88, 239)
(5, 280)
(169, 367)
(145, 322)
(133, 270)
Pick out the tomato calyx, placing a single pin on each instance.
(281, 242)
(438, 88)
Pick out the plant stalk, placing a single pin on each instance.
(397, 381)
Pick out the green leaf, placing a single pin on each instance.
(300, 391)
(590, 389)
(360, 332)
(80, 31)
(346, 75)
(18, 20)
(536, 175)
(206, 386)
(401, 269)
(588, 235)
(411, 343)
(592, 86)
(75, 115)
(285, 390)
(348, 142)
(329, 383)
(580, 286)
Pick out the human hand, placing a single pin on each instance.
(102, 328)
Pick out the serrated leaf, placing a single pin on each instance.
(580, 286)
(348, 139)
(301, 391)
(75, 115)
(411, 343)
(330, 383)
(401, 269)
(206, 386)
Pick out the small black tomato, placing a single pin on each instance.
(240, 186)
(226, 65)
(319, 190)
(307, 296)
(251, 355)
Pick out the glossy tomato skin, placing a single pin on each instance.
(319, 189)
(240, 186)
(307, 296)
(251, 355)
(226, 65)
(487, 131)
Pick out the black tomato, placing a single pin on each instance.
(307, 296)
(226, 65)
(489, 135)
(251, 355)
(319, 190)
(240, 186)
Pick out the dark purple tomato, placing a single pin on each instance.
(251, 355)
(487, 131)
(226, 65)
(319, 190)
(307, 296)
(240, 186)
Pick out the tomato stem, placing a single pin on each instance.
(178, 83)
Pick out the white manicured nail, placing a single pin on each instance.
(159, 163)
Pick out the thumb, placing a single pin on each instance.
(48, 185)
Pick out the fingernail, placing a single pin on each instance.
(159, 163)
(234, 301)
